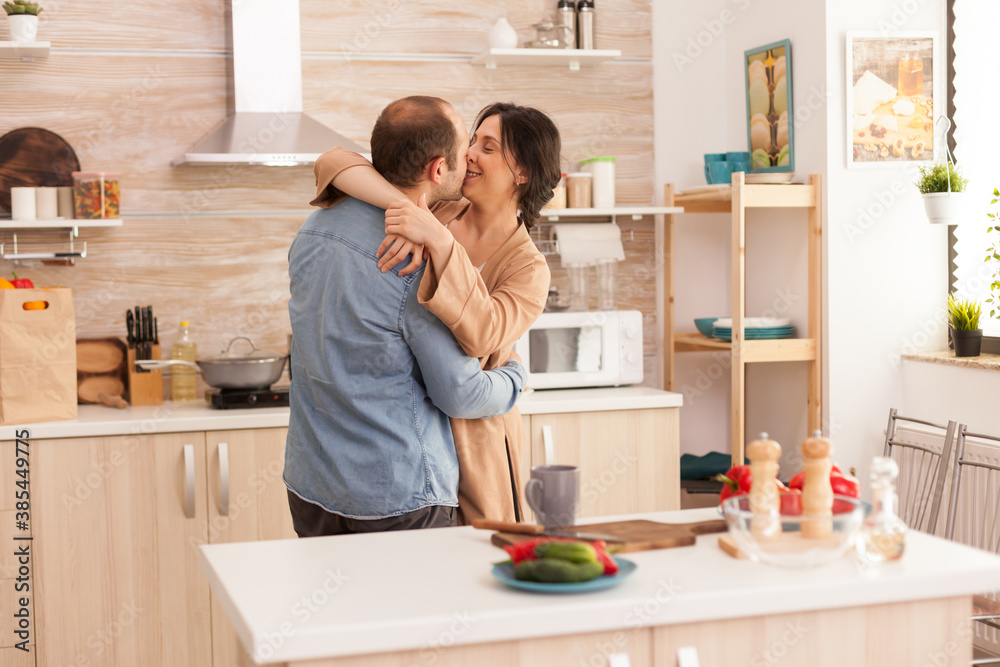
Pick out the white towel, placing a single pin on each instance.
(585, 243)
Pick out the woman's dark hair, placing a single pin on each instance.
(408, 134)
(531, 139)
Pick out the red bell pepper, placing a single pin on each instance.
(525, 550)
(843, 485)
(21, 283)
(791, 501)
(736, 482)
(601, 547)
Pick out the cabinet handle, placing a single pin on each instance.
(189, 481)
(550, 449)
(619, 660)
(223, 479)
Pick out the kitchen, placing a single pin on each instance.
(209, 244)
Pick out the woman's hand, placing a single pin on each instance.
(410, 228)
(394, 249)
(415, 222)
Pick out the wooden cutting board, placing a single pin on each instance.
(33, 157)
(100, 369)
(637, 534)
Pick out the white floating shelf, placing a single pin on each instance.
(636, 212)
(60, 223)
(574, 59)
(26, 51)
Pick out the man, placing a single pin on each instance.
(375, 376)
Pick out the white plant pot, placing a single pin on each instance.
(502, 35)
(23, 27)
(944, 208)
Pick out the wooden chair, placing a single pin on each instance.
(974, 511)
(922, 471)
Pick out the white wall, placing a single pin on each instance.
(691, 107)
(701, 108)
(886, 265)
(885, 274)
(939, 392)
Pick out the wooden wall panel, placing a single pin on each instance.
(142, 24)
(606, 110)
(210, 243)
(421, 26)
(354, 26)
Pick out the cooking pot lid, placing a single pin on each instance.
(230, 355)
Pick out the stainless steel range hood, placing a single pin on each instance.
(267, 126)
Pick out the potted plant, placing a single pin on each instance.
(22, 17)
(963, 319)
(943, 188)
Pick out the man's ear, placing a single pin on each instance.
(435, 170)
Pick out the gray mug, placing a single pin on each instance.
(553, 493)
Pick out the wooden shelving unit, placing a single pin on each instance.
(736, 200)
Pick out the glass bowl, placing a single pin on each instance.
(779, 540)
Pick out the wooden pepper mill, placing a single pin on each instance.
(764, 500)
(817, 492)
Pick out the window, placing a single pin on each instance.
(977, 138)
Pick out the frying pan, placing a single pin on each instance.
(257, 369)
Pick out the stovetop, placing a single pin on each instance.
(238, 399)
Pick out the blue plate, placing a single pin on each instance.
(704, 325)
(505, 573)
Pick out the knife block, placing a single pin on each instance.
(144, 388)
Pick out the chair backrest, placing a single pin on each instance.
(974, 510)
(923, 469)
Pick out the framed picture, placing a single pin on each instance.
(891, 95)
(769, 107)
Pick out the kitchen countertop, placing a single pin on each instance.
(380, 592)
(98, 420)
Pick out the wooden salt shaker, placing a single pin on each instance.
(817, 493)
(764, 500)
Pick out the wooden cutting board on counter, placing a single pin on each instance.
(636, 534)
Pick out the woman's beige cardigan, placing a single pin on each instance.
(487, 312)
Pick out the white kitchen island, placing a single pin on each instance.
(427, 598)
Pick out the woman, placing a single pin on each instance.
(485, 279)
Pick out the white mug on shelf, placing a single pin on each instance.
(46, 203)
(22, 203)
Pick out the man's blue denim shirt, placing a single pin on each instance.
(375, 376)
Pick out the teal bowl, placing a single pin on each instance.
(705, 325)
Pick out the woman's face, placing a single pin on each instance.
(489, 176)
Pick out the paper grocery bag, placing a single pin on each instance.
(37, 355)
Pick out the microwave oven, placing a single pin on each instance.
(600, 348)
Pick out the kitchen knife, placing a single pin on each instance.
(541, 531)
(130, 327)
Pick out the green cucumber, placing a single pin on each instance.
(575, 552)
(557, 571)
